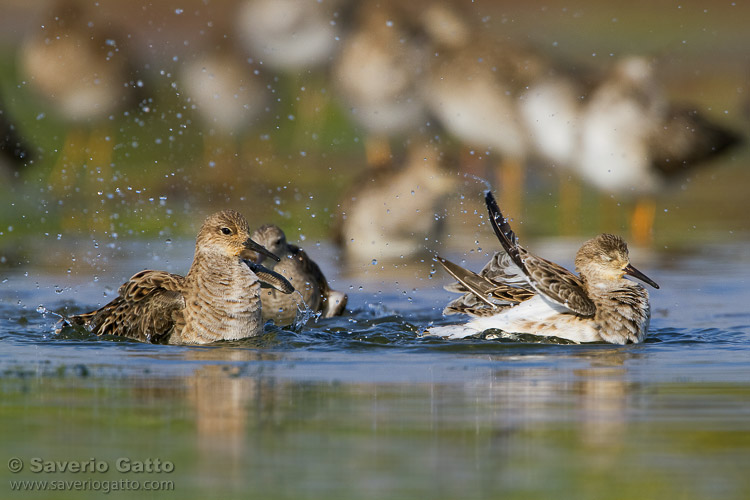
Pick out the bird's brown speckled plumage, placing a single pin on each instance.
(217, 300)
(518, 292)
(303, 273)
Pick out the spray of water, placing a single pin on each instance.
(485, 182)
(62, 320)
(44, 312)
(303, 313)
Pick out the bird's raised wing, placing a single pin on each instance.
(549, 279)
(482, 296)
(148, 309)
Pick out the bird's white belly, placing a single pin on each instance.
(536, 316)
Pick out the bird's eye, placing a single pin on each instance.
(226, 230)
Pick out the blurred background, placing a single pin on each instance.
(137, 119)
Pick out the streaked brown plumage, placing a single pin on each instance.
(304, 274)
(217, 300)
(518, 292)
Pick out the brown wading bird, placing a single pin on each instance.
(219, 299)
(376, 72)
(633, 139)
(520, 293)
(304, 274)
(230, 96)
(396, 210)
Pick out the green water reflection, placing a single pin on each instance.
(582, 429)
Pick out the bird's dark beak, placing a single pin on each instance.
(270, 278)
(630, 270)
(253, 251)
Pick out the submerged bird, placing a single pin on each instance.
(518, 292)
(304, 274)
(219, 299)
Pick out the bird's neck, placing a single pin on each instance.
(207, 262)
(224, 302)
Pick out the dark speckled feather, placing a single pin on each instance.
(148, 308)
(486, 293)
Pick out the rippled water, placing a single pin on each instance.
(362, 407)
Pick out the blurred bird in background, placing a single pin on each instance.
(81, 69)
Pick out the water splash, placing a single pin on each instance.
(481, 180)
(303, 313)
(44, 312)
(61, 322)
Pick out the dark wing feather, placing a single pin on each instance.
(469, 281)
(503, 231)
(310, 268)
(149, 308)
(686, 139)
(332, 303)
(549, 279)
(482, 296)
(558, 284)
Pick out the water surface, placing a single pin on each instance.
(362, 407)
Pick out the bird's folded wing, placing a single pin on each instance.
(559, 285)
(549, 279)
(310, 269)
